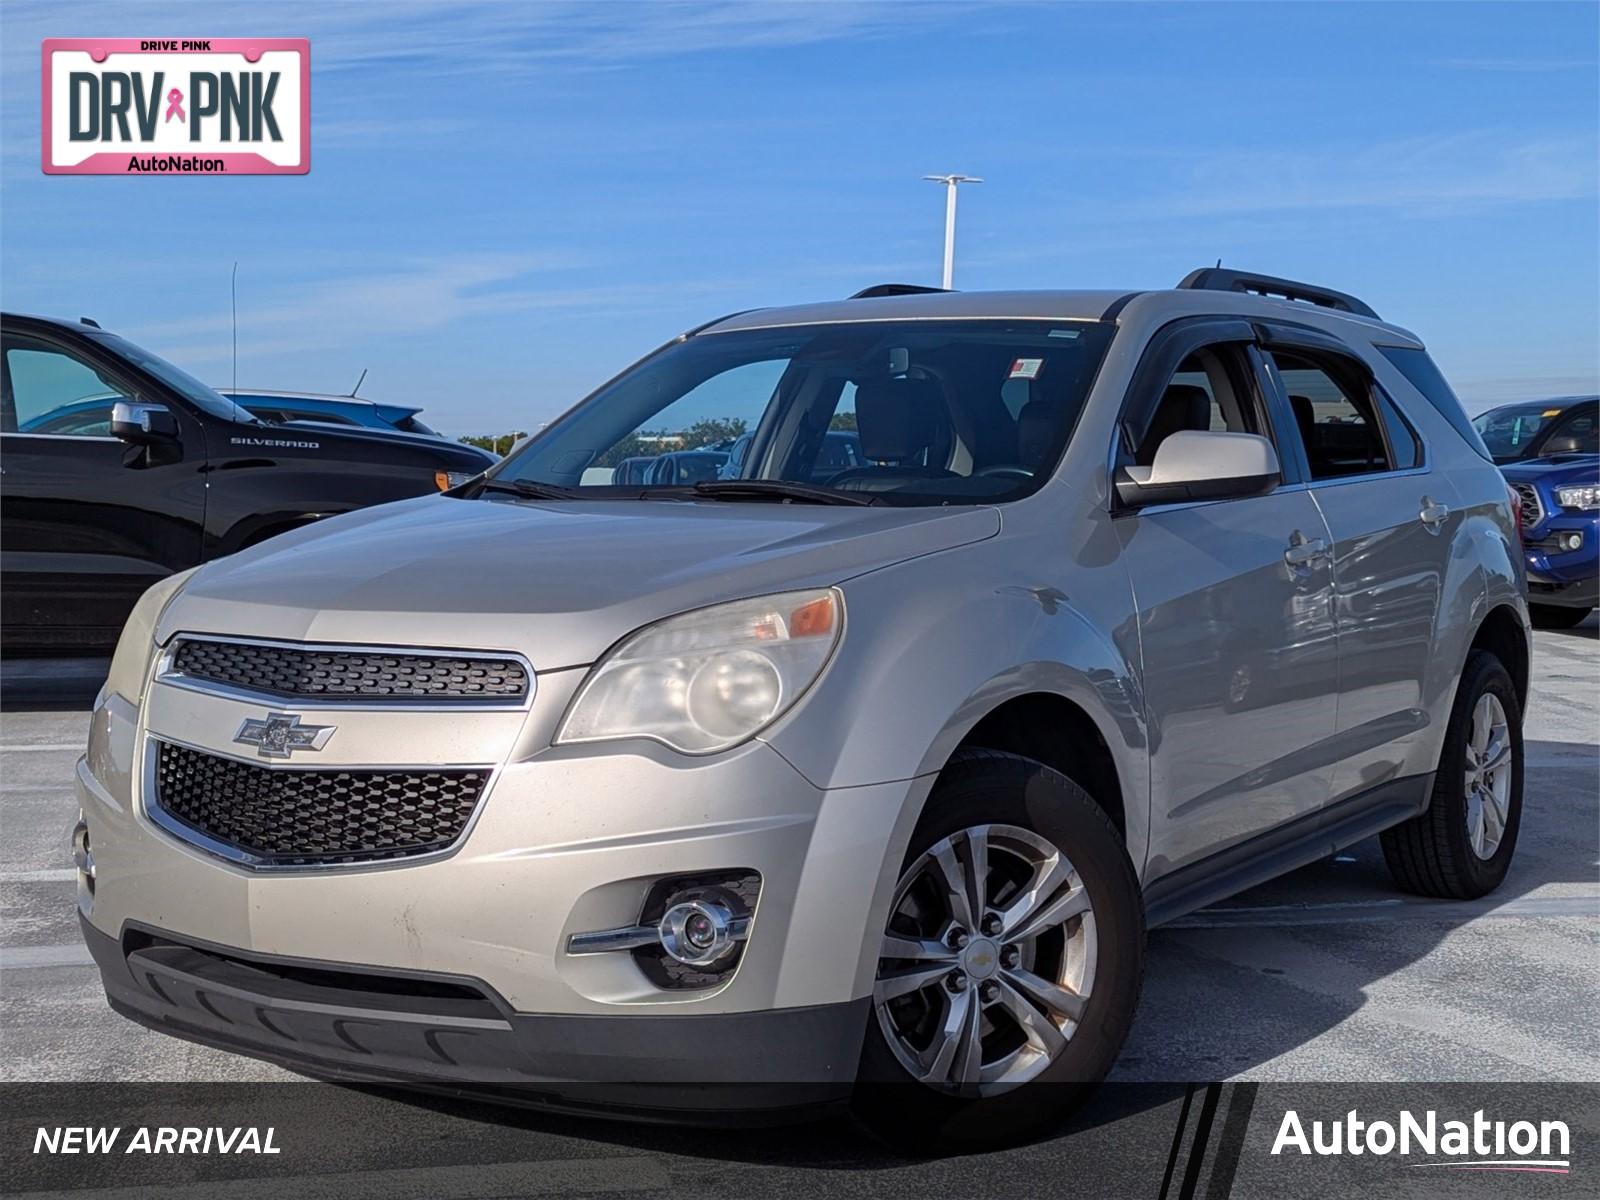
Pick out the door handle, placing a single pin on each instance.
(1433, 513)
(1303, 552)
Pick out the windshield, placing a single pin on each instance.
(1510, 433)
(896, 412)
(185, 384)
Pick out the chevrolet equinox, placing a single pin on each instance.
(548, 781)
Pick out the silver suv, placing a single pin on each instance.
(1133, 601)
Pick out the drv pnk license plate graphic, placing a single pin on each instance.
(166, 106)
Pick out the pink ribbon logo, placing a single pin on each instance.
(175, 106)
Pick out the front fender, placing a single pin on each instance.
(924, 659)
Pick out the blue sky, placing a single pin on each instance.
(509, 202)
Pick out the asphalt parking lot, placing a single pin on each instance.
(1328, 974)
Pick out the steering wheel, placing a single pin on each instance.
(1005, 471)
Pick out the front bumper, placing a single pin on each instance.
(1564, 578)
(432, 1030)
(565, 841)
(1581, 593)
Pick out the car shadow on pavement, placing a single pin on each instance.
(825, 1141)
(1242, 988)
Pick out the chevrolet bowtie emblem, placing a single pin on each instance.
(280, 734)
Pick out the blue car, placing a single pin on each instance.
(1549, 452)
(279, 408)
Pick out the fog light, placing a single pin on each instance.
(1572, 540)
(691, 930)
(700, 932)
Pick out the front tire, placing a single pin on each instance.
(1553, 616)
(1461, 847)
(1012, 963)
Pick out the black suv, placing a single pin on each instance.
(117, 468)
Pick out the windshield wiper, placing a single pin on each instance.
(777, 489)
(526, 487)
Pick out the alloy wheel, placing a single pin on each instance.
(1488, 776)
(988, 962)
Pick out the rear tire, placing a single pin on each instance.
(1435, 854)
(1043, 836)
(1552, 616)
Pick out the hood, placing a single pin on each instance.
(1558, 468)
(433, 448)
(558, 581)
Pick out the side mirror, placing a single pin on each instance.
(1568, 444)
(1191, 465)
(142, 424)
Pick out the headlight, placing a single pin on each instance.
(445, 480)
(130, 665)
(707, 680)
(1585, 495)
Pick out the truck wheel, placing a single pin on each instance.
(1551, 616)
(1012, 962)
(1461, 847)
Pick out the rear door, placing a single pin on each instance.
(1240, 664)
(86, 522)
(1392, 518)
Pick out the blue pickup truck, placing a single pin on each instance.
(1549, 452)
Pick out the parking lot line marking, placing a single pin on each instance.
(54, 876)
(35, 749)
(557, 1176)
(1372, 911)
(22, 958)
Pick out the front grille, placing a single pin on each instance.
(1532, 512)
(339, 674)
(307, 817)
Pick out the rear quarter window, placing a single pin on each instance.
(1422, 374)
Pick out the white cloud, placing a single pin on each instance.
(1422, 175)
(437, 35)
(1520, 65)
(414, 298)
(1479, 395)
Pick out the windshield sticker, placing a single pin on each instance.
(1026, 368)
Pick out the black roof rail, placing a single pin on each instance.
(1220, 279)
(894, 289)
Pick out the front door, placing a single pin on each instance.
(88, 522)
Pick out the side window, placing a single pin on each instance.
(1576, 433)
(1422, 374)
(1405, 448)
(1336, 415)
(51, 391)
(1210, 391)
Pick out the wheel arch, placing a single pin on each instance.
(272, 528)
(1086, 725)
(1051, 729)
(1503, 634)
(259, 527)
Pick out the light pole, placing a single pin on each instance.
(951, 182)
